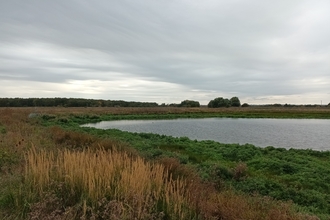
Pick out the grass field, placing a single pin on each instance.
(53, 169)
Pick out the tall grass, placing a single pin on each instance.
(141, 187)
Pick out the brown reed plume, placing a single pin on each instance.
(140, 187)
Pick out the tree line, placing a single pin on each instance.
(218, 102)
(80, 102)
(70, 102)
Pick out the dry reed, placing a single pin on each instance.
(139, 185)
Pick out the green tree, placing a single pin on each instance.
(235, 102)
(219, 102)
(224, 102)
(211, 104)
(189, 103)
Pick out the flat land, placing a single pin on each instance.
(252, 111)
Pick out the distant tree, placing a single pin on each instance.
(216, 103)
(219, 102)
(189, 103)
(211, 104)
(245, 105)
(235, 102)
(223, 102)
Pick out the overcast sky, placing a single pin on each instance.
(166, 51)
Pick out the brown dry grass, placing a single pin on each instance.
(138, 184)
(233, 206)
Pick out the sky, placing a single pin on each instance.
(167, 51)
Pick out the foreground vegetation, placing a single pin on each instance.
(51, 168)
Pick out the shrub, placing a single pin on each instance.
(48, 117)
(222, 172)
(3, 130)
(240, 171)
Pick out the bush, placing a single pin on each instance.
(48, 117)
(240, 171)
(3, 130)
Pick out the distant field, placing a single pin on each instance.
(252, 111)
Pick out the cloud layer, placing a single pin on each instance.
(167, 51)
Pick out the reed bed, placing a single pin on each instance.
(140, 187)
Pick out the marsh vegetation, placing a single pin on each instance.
(51, 168)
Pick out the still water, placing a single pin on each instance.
(286, 133)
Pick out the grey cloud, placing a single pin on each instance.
(251, 48)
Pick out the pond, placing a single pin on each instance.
(286, 133)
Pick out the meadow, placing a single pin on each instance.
(51, 168)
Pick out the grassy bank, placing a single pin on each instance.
(63, 171)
